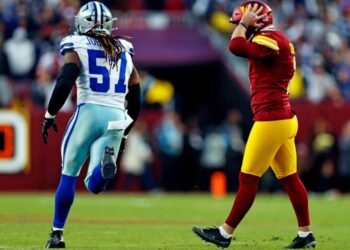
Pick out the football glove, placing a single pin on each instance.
(47, 124)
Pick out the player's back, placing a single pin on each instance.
(270, 77)
(98, 82)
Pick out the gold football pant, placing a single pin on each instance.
(271, 144)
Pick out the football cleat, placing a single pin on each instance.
(303, 242)
(212, 235)
(56, 240)
(108, 164)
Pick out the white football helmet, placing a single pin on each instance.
(91, 14)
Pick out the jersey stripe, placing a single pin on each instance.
(66, 47)
(66, 44)
(95, 10)
(101, 14)
(98, 11)
(62, 51)
(266, 41)
(68, 133)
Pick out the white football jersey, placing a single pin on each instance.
(97, 82)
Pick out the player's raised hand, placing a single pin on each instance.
(251, 17)
(47, 124)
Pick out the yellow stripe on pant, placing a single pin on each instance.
(271, 143)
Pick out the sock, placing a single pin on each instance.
(224, 233)
(248, 186)
(303, 234)
(63, 200)
(57, 229)
(96, 182)
(298, 197)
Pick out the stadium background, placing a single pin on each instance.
(196, 114)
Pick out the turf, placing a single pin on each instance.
(164, 221)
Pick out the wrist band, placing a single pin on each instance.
(244, 24)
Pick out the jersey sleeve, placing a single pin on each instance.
(254, 49)
(72, 43)
(67, 44)
(128, 46)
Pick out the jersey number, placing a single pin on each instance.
(102, 71)
(292, 51)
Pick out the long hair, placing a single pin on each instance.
(111, 45)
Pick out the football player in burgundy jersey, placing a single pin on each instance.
(271, 142)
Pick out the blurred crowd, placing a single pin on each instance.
(319, 30)
(31, 32)
(181, 155)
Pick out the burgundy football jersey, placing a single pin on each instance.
(272, 66)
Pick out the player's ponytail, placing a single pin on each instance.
(112, 47)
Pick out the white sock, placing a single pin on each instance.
(57, 229)
(303, 234)
(224, 233)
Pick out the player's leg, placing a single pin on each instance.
(78, 136)
(102, 166)
(264, 140)
(263, 143)
(284, 166)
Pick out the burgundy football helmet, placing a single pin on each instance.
(240, 9)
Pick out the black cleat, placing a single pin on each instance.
(212, 235)
(305, 242)
(56, 240)
(108, 164)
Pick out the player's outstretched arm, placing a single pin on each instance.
(64, 84)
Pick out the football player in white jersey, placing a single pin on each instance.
(106, 80)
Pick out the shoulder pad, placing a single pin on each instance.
(69, 43)
(266, 41)
(128, 46)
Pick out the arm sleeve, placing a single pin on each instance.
(133, 99)
(65, 81)
(241, 47)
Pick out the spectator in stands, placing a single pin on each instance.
(344, 158)
(323, 152)
(20, 52)
(5, 89)
(343, 76)
(213, 155)
(42, 87)
(137, 159)
(42, 90)
(190, 159)
(157, 93)
(320, 84)
(232, 131)
(169, 135)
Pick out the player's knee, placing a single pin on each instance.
(248, 179)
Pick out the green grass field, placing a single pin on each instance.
(146, 221)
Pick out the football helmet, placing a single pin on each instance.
(240, 9)
(94, 14)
